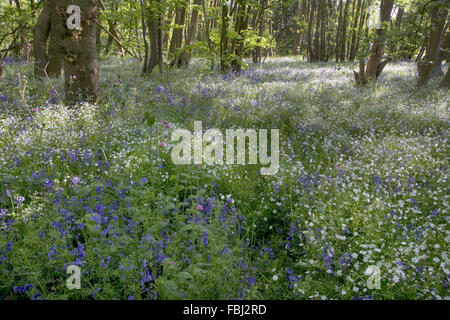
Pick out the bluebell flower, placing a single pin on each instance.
(205, 238)
(22, 289)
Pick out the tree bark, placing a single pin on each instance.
(80, 54)
(344, 31)
(445, 83)
(357, 16)
(309, 47)
(177, 34)
(153, 30)
(262, 27)
(375, 66)
(41, 32)
(338, 35)
(55, 52)
(431, 66)
(144, 37)
(240, 26)
(224, 61)
(185, 56)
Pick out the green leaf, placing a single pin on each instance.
(150, 119)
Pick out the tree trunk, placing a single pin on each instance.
(297, 31)
(55, 52)
(185, 56)
(41, 32)
(339, 35)
(309, 47)
(445, 83)
(167, 21)
(362, 20)
(431, 66)
(317, 48)
(344, 31)
(153, 30)
(375, 65)
(144, 37)
(262, 27)
(224, 61)
(241, 25)
(177, 34)
(160, 43)
(356, 18)
(80, 54)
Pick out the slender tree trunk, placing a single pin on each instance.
(323, 34)
(240, 26)
(224, 61)
(185, 56)
(160, 43)
(356, 18)
(207, 35)
(317, 48)
(262, 27)
(144, 37)
(344, 31)
(177, 33)
(362, 21)
(152, 23)
(167, 21)
(309, 47)
(339, 35)
(297, 31)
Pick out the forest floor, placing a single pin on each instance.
(361, 194)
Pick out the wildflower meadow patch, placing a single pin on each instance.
(93, 206)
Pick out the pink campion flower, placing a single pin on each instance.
(35, 110)
(162, 144)
(199, 207)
